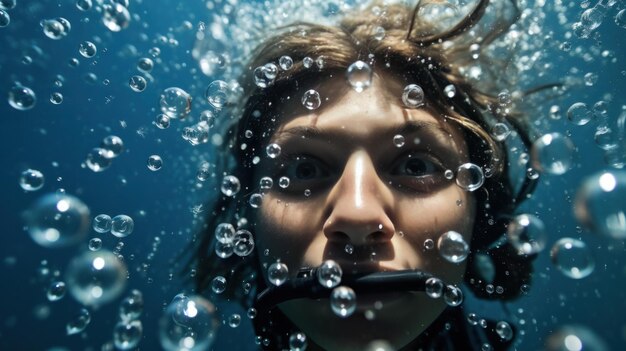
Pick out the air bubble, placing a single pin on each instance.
(599, 204)
(500, 131)
(243, 243)
(187, 321)
(113, 145)
(398, 140)
(359, 75)
(137, 83)
(277, 273)
(217, 94)
(162, 121)
(297, 342)
(453, 247)
(230, 185)
(329, 274)
(56, 98)
(469, 176)
(218, 284)
(572, 257)
(527, 234)
(285, 63)
(115, 16)
(56, 291)
(87, 49)
(175, 103)
(413, 96)
(450, 91)
(122, 226)
(434, 287)
(127, 334)
(579, 114)
(31, 180)
(22, 98)
(553, 153)
(96, 278)
(311, 99)
(154, 163)
(79, 323)
(452, 295)
(343, 301)
(102, 223)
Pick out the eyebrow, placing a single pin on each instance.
(409, 127)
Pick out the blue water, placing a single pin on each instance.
(55, 139)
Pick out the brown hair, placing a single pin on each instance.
(412, 53)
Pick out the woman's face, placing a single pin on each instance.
(360, 197)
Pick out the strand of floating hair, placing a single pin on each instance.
(468, 22)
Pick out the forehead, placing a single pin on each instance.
(374, 113)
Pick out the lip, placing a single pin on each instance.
(352, 267)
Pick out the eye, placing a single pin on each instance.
(417, 173)
(304, 172)
(415, 166)
(305, 168)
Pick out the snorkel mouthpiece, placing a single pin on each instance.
(306, 285)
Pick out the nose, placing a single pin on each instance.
(359, 204)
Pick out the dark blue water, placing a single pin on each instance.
(55, 139)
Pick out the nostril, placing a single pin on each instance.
(377, 237)
(339, 237)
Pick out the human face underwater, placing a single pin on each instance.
(366, 190)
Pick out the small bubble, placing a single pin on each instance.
(31, 180)
(22, 98)
(234, 320)
(590, 79)
(359, 75)
(98, 159)
(311, 99)
(413, 96)
(527, 234)
(307, 62)
(56, 98)
(122, 226)
(5, 19)
(452, 295)
(102, 223)
(285, 63)
(500, 131)
(504, 330)
(255, 200)
(84, 5)
(283, 182)
(469, 176)
(115, 16)
(434, 287)
(56, 291)
(113, 145)
(343, 301)
(452, 247)
(154, 163)
(297, 342)
(87, 49)
(217, 94)
(277, 273)
(329, 274)
(243, 243)
(79, 323)
(450, 91)
(145, 65)
(162, 121)
(579, 114)
(379, 33)
(448, 174)
(273, 150)
(230, 185)
(218, 284)
(137, 83)
(53, 29)
(429, 244)
(95, 244)
(398, 140)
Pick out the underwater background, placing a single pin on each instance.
(60, 98)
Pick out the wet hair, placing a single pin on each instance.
(413, 53)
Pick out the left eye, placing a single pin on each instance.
(415, 166)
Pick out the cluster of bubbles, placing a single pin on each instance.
(96, 277)
(188, 323)
(57, 220)
(128, 330)
(56, 28)
(230, 241)
(435, 288)
(120, 226)
(31, 180)
(100, 158)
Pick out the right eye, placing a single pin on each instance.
(305, 168)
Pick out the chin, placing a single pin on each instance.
(397, 318)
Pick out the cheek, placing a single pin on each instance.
(429, 218)
(284, 231)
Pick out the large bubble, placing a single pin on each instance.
(574, 338)
(553, 153)
(31, 180)
(601, 204)
(453, 247)
(57, 220)
(343, 301)
(359, 75)
(527, 234)
(96, 278)
(188, 323)
(21, 98)
(115, 16)
(572, 257)
(175, 103)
